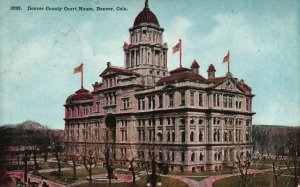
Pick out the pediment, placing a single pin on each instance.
(229, 85)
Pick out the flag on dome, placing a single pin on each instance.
(78, 69)
(226, 58)
(176, 48)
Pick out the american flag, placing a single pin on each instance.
(226, 58)
(78, 69)
(176, 48)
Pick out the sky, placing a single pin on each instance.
(39, 50)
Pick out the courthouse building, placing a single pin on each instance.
(196, 122)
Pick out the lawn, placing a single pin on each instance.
(67, 176)
(166, 182)
(196, 178)
(204, 173)
(258, 180)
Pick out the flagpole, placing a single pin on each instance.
(180, 57)
(228, 61)
(82, 76)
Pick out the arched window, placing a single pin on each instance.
(201, 156)
(200, 136)
(160, 136)
(173, 136)
(160, 155)
(192, 136)
(168, 136)
(182, 136)
(193, 157)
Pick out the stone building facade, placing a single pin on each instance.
(195, 123)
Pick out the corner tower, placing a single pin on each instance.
(146, 53)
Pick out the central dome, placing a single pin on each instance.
(146, 16)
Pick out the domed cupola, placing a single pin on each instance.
(146, 53)
(146, 16)
(81, 94)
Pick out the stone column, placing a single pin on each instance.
(129, 60)
(187, 130)
(210, 130)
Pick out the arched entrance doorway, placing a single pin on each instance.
(110, 122)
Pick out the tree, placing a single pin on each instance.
(293, 153)
(275, 149)
(57, 147)
(73, 154)
(156, 164)
(44, 143)
(108, 149)
(88, 158)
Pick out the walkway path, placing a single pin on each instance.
(190, 182)
(208, 182)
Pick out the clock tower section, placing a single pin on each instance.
(146, 53)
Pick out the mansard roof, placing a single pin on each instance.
(81, 94)
(244, 85)
(180, 70)
(216, 79)
(180, 77)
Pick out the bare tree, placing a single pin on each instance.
(275, 149)
(57, 147)
(293, 153)
(88, 158)
(156, 163)
(72, 153)
(109, 152)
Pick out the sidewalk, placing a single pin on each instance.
(208, 182)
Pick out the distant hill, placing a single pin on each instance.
(29, 124)
(275, 126)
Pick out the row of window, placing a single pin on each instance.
(170, 156)
(170, 135)
(228, 102)
(73, 112)
(151, 100)
(228, 135)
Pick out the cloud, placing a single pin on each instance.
(178, 30)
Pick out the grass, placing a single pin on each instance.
(166, 182)
(52, 165)
(269, 161)
(204, 173)
(67, 176)
(258, 180)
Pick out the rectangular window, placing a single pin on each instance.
(171, 100)
(230, 102)
(126, 103)
(215, 100)
(151, 102)
(200, 99)
(141, 103)
(192, 98)
(248, 104)
(225, 101)
(160, 101)
(182, 96)
(182, 156)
